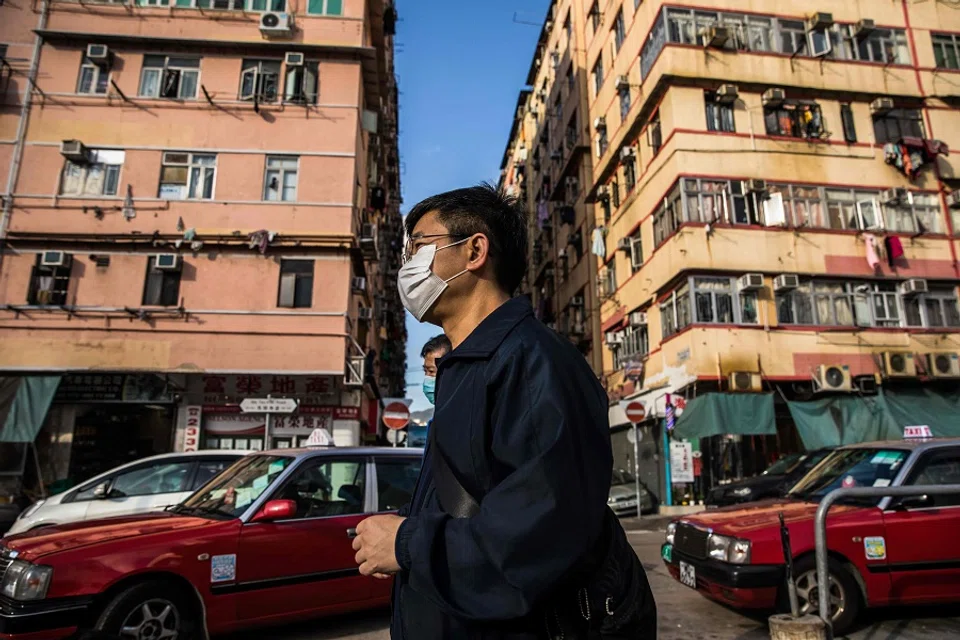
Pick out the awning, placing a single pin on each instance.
(24, 402)
(715, 414)
(915, 407)
(617, 416)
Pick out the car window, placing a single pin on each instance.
(162, 477)
(88, 491)
(396, 480)
(323, 488)
(233, 491)
(208, 469)
(938, 467)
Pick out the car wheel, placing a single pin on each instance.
(845, 600)
(150, 611)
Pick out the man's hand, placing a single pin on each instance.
(374, 544)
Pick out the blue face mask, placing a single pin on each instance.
(429, 388)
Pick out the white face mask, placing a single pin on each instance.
(419, 286)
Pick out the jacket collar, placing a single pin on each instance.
(492, 331)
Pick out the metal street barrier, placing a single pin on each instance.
(820, 528)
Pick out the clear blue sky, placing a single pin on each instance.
(461, 66)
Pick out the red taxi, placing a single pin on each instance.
(266, 541)
(882, 551)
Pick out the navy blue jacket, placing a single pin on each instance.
(522, 422)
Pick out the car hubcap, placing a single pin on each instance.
(152, 620)
(808, 595)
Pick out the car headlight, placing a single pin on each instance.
(742, 492)
(32, 509)
(728, 549)
(671, 529)
(26, 581)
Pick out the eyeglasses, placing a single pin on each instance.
(416, 242)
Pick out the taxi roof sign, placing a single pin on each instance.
(917, 431)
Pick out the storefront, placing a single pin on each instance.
(226, 427)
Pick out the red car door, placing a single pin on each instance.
(921, 548)
(305, 565)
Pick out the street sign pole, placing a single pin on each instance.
(636, 465)
(266, 430)
(268, 406)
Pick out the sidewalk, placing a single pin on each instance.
(652, 522)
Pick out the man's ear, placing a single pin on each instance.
(478, 251)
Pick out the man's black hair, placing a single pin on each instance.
(487, 210)
(436, 343)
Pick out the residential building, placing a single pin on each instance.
(779, 212)
(202, 207)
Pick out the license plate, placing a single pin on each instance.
(628, 503)
(688, 575)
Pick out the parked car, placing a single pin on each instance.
(774, 482)
(265, 542)
(623, 495)
(149, 484)
(886, 551)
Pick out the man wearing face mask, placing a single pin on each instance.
(435, 348)
(508, 536)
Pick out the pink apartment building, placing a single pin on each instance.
(200, 205)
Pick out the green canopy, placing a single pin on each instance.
(924, 406)
(24, 402)
(715, 414)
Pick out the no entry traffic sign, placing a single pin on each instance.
(396, 415)
(636, 412)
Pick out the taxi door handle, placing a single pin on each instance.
(352, 532)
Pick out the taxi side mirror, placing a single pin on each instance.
(101, 491)
(276, 510)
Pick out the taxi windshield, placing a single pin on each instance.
(234, 490)
(851, 468)
(783, 465)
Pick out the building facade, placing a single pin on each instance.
(775, 188)
(201, 206)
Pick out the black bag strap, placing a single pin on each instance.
(454, 498)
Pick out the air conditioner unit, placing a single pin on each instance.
(744, 381)
(727, 92)
(614, 338)
(623, 82)
(864, 28)
(755, 185)
(773, 97)
(715, 35)
(833, 377)
(368, 231)
(359, 284)
(896, 195)
(274, 23)
(638, 318)
(899, 364)
(786, 282)
(750, 281)
(53, 259)
(881, 106)
(953, 200)
(74, 151)
(943, 365)
(293, 59)
(355, 371)
(600, 122)
(627, 152)
(168, 261)
(623, 244)
(365, 313)
(819, 21)
(98, 54)
(576, 301)
(913, 286)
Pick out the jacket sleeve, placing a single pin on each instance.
(539, 519)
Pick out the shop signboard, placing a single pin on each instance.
(113, 387)
(228, 389)
(681, 462)
(191, 434)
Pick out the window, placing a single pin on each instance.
(568, 27)
(675, 311)
(324, 488)
(162, 288)
(636, 252)
(615, 194)
(945, 51)
(920, 213)
(237, 444)
(280, 179)
(849, 128)
(938, 467)
(624, 93)
(49, 284)
(99, 177)
(799, 119)
(301, 83)
(226, 5)
(898, 124)
(296, 284)
(654, 135)
(325, 7)
(169, 477)
(629, 173)
(93, 79)
(187, 176)
(268, 5)
(796, 306)
(884, 304)
(598, 75)
(713, 300)
(259, 80)
(169, 77)
(601, 142)
(884, 45)
(396, 481)
(571, 80)
(793, 36)
(820, 42)
(594, 16)
(719, 114)
(619, 32)
(207, 469)
(668, 218)
(635, 344)
(934, 309)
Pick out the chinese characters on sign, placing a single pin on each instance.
(191, 434)
(112, 388)
(681, 462)
(221, 389)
